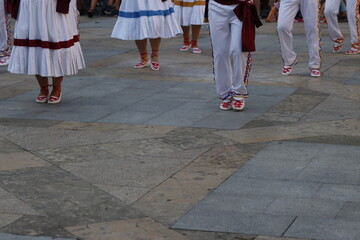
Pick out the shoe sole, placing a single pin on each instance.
(143, 66)
(4, 61)
(353, 53)
(49, 102)
(55, 102)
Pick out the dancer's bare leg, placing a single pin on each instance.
(195, 31)
(43, 84)
(155, 47)
(142, 48)
(57, 81)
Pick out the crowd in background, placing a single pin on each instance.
(267, 9)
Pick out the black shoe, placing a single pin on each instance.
(90, 13)
(108, 10)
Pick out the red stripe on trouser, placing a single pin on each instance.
(46, 44)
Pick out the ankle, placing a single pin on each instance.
(56, 91)
(187, 41)
(155, 59)
(144, 57)
(144, 60)
(44, 90)
(194, 43)
(155, 56)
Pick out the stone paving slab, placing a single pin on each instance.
(17, 160)
(272, 188)
(235, 222)
(248, 194)
(12, 205)
(6, 219)
(113, 101)
(9, 147)
(339, 192)
(324, 229)
(305, 207)
(294, 131)
(33, 138)
(325, 110)
(277, 238)
(141, 228)
(127, 194)
(92, 56)
(350, 212)
(36, 226)
(6, 236)
(66, 196)
(293, 108)
(354, 80)
(4, 131)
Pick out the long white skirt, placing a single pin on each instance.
(142, 19)
(190, 12)
(46, 42)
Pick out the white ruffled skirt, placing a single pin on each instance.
(142, 19)
(190, 12)
(46, 42)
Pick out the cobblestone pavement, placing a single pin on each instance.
(137, 154)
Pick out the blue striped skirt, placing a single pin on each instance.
(142, 19)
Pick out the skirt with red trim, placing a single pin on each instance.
(46, 42)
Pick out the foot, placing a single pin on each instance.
(142, 64)
(55, 96)
(108, 10)
(4, 61)
(353, 51)
(238, 103)
(185, 48)
(155, 66)
(315, 73)
(337, 47)
(196, 50)
(43, 95)
(42, 98)
(286, 70)
(226, 105)
(338, 44)
(90, 13)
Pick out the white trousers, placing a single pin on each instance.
(310, 12)
(4, 36)
(231, 65)
(331, 12)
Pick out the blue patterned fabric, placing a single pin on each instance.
(146, 13)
